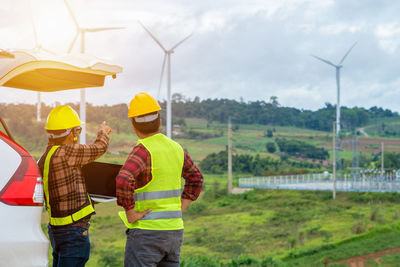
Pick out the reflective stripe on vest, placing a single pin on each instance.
(173, 214)
(163, 193)
(157, 195)
(59, 221)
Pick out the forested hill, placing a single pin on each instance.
(261, 112)
(218, 110)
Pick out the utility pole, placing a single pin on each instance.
(229, 156)
(382, 159)
(82, 107)
(38, 107)
(169, 105)
(334, 161)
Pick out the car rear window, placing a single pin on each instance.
(9, 162)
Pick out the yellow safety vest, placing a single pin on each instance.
(59, 221)
(163, 193)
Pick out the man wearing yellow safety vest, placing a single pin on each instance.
(149, 189)
(67, 201)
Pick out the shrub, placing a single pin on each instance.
(358, 228)
(196, 207)
(200, 261)
(218, 163)
(271, 262)
(271, 147)
(269, 133)
(195, 134)
(373, 197)
(376, 215)
(213, 194)
(301, 149)
(111, 257)
(244, 261)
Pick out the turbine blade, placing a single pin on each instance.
(348, 52)
(324, 60)
(73, 42)
(154, 38)
(178, 44)
(102, 29)
(72, 14)
(47, 50)
(162, 74)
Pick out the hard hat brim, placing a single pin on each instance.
(72, 126)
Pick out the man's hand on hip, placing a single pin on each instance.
(133, 215)
(185, 203)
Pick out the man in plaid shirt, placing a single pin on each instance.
(67, 201)
(136, 173)
(148, 188)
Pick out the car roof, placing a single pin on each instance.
(40, 72)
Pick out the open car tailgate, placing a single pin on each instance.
(40, 72)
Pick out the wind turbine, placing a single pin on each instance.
(38, 48)
(337, 67)
(167, 59)
(82, 31)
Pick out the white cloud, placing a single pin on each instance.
(388, 35)
(240, 48)
(387, 30)
(339, 28)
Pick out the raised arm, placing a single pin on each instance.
(79, 155)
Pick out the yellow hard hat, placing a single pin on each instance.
(62, 117)
(142, 104)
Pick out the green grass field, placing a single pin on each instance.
(262, 227)
(296, 228)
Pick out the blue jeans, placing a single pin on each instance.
(71, 246)
(151, 248)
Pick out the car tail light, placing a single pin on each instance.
(25, 188)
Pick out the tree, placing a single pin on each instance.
(270, 133)
(178, 97)
(392, 160)
(271, 147)
(274, 101)
(218, 163)
(301, 149)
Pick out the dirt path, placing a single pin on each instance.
(363, 132)
(359, 260)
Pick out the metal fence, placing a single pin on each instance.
(323, 181)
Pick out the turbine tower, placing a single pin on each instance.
(38, 48)
(167, 58)
(82, 31)
(337, 67)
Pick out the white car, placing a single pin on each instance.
(22, 241)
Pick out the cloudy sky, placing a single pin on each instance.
(249, 49)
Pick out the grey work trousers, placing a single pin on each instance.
(151, 248)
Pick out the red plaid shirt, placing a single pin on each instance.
(136, 173)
